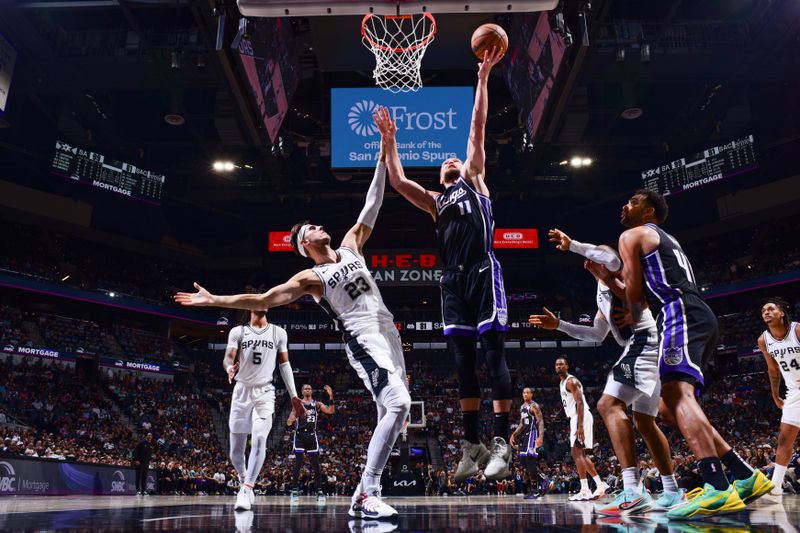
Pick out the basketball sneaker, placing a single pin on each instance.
(320, 497)
(582, 496)
(371, 526)
(628, 501)
(709, 502)
(600, 491)
(499, 456)
(472, 455)
(669, 500)
(243, 501)
(371, 506)
(754, 487)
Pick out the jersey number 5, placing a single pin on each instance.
(357, 287)
(257, 358)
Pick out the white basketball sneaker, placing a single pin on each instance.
(600, 491)
(582, 496)
(244, 500)
(499, 456)
(472, 455)
(371, 506)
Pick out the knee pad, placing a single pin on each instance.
(492, 342)
(463, 349)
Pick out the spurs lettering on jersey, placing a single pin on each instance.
(257, 352)
(351, 296)
(786, 353)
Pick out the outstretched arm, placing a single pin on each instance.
(358, 234)
(411, 190)
(305, 282)
(474, 166)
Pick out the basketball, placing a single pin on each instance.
(487, 36)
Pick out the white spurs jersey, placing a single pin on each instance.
(569, 402)
(786, 353)
(350, 295)
(258, 351)
(606, 302)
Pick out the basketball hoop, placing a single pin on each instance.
(398, 43)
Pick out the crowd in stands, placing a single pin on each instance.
(12, 330)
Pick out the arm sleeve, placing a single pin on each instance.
(283, 340)
(235, 337)
(594, 333)
(596, 254)
(369, 214)
(288, 378)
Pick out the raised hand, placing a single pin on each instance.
(328, 391)
(384, 122)
(545, 321)
(490, 58)
(600, 272)
(200, 298)
(561, 239)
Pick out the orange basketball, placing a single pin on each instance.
(488, 36)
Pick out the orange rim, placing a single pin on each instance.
(398, 50)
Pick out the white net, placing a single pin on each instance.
(398, 43)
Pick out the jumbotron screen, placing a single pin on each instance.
(97, 170)
(708, 166)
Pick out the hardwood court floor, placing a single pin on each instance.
(486, 514)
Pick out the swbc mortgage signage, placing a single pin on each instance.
(45, 477)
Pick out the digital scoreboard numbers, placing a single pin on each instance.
(99, 171)
(708, 166)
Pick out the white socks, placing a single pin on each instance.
(777, 477)
(597, 480)
(584, 485)
(669, 482)
(629, 480)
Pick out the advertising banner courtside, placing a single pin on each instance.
(432, 125)
(516, 238)
(280, 241)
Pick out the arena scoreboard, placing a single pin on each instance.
(97, 170)
(708, 166)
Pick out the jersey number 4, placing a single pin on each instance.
(357, 287)
(788, 366)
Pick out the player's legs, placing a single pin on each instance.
(396, 400)
(240, 425)
(263, 409)
(298, 465)
(786, 439)
(615, 417)
(492, 342)
(469, 391)
(313, 458)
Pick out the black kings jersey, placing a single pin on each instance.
(464, 225)
(668, 274)
(308, 423)
(527, 419)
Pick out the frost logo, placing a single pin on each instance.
(118, 481)
(8, 477)
(360, 118)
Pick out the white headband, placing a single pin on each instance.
(300, 236)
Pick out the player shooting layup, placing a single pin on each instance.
(473, 296)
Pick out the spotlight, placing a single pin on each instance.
(112, 294)
(576, 162)
(223, 166)
(587, 161)
(65, 278)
